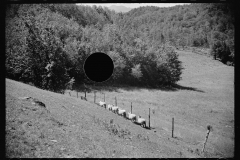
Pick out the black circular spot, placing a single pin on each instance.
(98, 67)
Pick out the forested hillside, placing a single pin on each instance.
(46, 44)
(198, 25)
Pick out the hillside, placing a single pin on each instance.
(79, 128)
(122, 9)
(47, 44)
(70, 127)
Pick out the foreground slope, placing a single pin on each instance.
(69, 127)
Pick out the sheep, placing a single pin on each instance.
(115, 109)
(131, 116)
(102, 104)
(84, 98)
(141, 121)
(122, 112)
(109, 107)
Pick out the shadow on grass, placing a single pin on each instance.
(149, 128)
(174, 87)
(179, 87)
(92, 88)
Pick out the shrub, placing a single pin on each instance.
(221, 50)
(136, 71)
(169, 67)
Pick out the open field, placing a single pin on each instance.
(205, 95)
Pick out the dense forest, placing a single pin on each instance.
(47, 44)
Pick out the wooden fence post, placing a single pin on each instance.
(149, 118)
(77, 94)
(172, 127)
(209, 127)
(94, 96)
(115, 101)
(131, 107)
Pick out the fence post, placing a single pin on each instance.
(104, 97)
(69, 93)
(77, 94)
(172, 127)
(85, 94)
(149, 118)
(115, 101)
(94, 96)
(209, 129)
(131, 107)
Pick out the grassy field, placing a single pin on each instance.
(70, 127)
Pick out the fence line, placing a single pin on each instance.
(149, 113)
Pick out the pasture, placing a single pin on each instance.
(204, 96)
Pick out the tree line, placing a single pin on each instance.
(47, 44)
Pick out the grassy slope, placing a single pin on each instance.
(206, 97)
(81, 131)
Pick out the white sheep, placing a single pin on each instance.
(115, 109)
(122, 112)
(109, 107)
(131, 116)
(141, 121)
(102, 104)
(84, 98)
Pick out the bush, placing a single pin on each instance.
(169, 67)
(136, 71)
(221, 50)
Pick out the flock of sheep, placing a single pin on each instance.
(122, 112)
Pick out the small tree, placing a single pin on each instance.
(169, 67)
(220, 50)
(70, 84)
(136, 71)
(182, 42)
